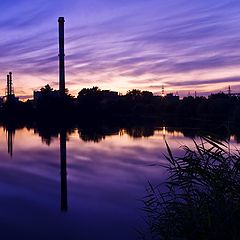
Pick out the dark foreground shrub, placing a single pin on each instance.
(201, 197)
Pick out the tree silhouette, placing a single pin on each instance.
(46, 89)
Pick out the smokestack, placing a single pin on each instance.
(61, 57)
(8, 85)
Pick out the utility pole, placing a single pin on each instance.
(229, 91)
(163, 91)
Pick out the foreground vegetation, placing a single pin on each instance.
(201, 197)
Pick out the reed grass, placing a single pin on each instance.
(201, 197)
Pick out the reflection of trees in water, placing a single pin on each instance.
(91, 136)
(139, 132)
(96, 134)
(220, 132)
(50, 132)
(47, 135)
(93, 133)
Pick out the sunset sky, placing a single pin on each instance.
(120, 45)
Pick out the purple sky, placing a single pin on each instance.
(120, 45)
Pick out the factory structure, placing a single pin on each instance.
(9, 90)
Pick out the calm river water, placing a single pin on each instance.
(93, 193)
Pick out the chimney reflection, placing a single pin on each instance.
(10, 134)
(63, 158)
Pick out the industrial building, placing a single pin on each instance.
(9, 92)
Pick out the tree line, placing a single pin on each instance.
(94, 103)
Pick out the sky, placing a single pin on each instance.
(185, 45)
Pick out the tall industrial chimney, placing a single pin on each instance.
(8, 86)
(61, 57)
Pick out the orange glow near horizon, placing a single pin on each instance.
(24, 84)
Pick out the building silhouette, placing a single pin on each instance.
(9, 93)
(171, 98)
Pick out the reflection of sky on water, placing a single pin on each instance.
(106, 180)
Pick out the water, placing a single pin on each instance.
(98, 198)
